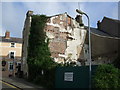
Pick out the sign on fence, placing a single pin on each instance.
(68, 76)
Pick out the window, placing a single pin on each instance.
(12, 55)
(86, 51)
(11, 66)
(12, 44)
(3, 69)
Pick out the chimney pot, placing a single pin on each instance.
(79, 20)
(7, 35)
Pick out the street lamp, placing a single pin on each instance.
(82, 13)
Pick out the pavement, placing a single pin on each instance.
(21, 83)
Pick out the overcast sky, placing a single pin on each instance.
(14, 13)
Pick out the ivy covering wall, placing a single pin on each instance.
(40, 64)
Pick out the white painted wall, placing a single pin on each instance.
(79, 38)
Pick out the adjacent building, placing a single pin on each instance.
(10, 55)
(105, 41)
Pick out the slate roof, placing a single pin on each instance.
(114, 20)
(100, 33)
(12, 39)
(110, 26)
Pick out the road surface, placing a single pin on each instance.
(6, 85)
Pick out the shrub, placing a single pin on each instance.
(107, 76)
(117, 62)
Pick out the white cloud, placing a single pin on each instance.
(97, 10)
(42, 8)
(14, 13)
(51, 8)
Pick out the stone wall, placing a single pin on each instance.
(26, 32)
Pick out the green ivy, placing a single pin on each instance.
(38, 51)
(117, 62)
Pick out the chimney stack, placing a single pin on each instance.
(7, 35)
(98, 25)
(29, 13)
(79, 20)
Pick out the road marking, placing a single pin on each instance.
(9, 85)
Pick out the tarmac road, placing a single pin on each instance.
(8, 86)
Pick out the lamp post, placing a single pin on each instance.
(82, 13)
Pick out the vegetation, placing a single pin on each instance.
(117, 62)
(40, 64)
(107, 76)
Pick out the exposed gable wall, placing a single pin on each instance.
(65, 36)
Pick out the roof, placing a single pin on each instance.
(115, 20)
(12, 39)
(102, 44)
(100, 33)
(96, 31)
(110, 26)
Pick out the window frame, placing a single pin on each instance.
(13, 45)
(10, 54)
(9, 64)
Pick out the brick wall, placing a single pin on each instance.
(58, 47)
(57, 29)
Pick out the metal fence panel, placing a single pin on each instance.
(73, 77)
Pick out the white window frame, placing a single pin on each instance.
(11, 62)
(14, 44)
(10, 53)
